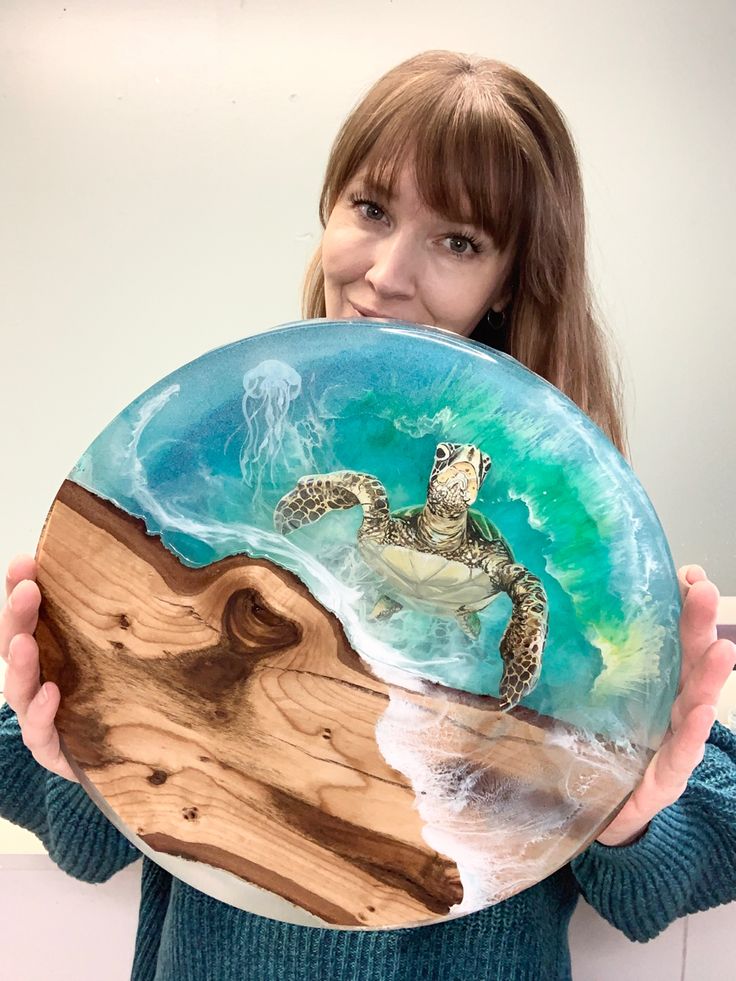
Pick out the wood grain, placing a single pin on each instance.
(223, 715)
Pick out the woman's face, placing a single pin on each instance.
(394, 258)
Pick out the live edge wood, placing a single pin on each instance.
(225, 718)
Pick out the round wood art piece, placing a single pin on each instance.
(357, 624)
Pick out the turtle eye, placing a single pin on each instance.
(442, 451)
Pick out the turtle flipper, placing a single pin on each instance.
(317, 494)
(384, 608)
(519, 677)
(469, 623)
(523, 641)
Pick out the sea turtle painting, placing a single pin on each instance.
(439, 557)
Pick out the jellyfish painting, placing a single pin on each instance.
(270, 389)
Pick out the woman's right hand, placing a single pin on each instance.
(35, 707)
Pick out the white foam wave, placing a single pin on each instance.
(504, 831)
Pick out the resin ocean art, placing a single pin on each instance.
(358, 624)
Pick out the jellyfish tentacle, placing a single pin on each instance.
(270, 389)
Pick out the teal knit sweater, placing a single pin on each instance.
(685, 862)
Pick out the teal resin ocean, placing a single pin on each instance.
(205, 455)
(317, 411)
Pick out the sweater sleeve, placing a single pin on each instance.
(73, 830)
(684, 863)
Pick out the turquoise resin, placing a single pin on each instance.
(204, 456)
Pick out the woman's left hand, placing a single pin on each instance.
(706, 665)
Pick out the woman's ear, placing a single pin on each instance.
(501, 303)
(505, 286)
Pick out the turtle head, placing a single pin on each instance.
(458, 471)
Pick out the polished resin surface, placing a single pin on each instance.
(205, 457)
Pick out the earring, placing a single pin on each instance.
(495, 320)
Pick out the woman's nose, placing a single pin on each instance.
(395, 267)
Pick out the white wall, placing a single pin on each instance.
(159, 175)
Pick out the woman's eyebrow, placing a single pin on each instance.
(373, 186)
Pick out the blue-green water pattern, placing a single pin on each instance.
(205, 455)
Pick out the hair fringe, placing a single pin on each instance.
(478, 129)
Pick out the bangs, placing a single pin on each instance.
(467, 164)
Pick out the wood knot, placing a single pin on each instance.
(254, 628)
(158, 777)
(251, 631)
(123, 621)
(190, 813)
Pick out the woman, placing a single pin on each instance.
(452, 197)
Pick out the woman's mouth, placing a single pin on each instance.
(366, 312)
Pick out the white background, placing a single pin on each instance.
(160, 167)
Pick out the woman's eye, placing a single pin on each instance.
(368, 208)
(463, 245)
(371, 209)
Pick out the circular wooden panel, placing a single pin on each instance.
(357, 624)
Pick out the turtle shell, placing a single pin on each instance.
(432, 583)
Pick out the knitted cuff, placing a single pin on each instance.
(75, 833)
(81, 839)
(22, 781)
(686, 860)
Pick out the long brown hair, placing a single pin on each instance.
(478, 130)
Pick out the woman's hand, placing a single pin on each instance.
(35, 707)
(706, 665)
